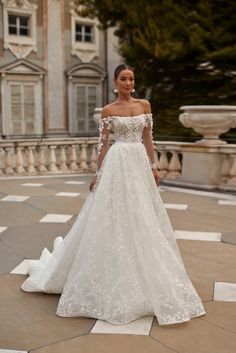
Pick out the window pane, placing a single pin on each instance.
(16, 94)
(92, 93)
(88, 29)
(24, 21)
(81, 95)
(24, 26)
(81, 125)
(78, 32)
(12, 19)
(12, 30)
(16, 127)
(29, 112)
(81, 108)
(29, 127)
(92, 103)
(29, 93)
(12, 27)
(22, 100)
(16, 112)
(29, 109)
(78, 28)
(16, 107)
(19, 25)
(78, 37)
(86, 102)
(24, 31)
(83, 33)
(29, 103)
(88, 33)
(92, 126)
(87, 39)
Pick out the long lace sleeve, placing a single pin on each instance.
(148, 137)
(103, 142)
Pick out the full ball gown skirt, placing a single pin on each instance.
(120, 260)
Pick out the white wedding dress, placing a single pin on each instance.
(120, 260)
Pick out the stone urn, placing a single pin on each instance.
(209, 120)
(97, 114)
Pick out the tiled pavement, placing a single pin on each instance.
(33, 211)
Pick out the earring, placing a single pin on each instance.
(133, 90)
(115, 90)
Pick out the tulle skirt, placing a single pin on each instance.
(120, 260)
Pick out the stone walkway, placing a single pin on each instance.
(33, 211)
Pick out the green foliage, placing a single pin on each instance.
(184, 52)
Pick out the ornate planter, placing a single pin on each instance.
(209, 120)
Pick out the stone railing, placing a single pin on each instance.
(48, 156)
(193, 165)
(179, 163)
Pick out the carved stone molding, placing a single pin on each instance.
(84, 51)
(20, 46)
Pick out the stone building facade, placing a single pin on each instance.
(55, 68)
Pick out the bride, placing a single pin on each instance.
(120, 260)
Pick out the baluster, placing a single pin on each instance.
(42, 159)
(174, 166)
(73, 159)
(63, 166)
(163, 164)
(93, 159)
(156, 161)
(232, 173)
(19, 161)
(1, 159)
(225, 167)
(31, 160)
(83, 157)
(52, 159)
(8, 161)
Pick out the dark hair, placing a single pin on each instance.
(120, 68)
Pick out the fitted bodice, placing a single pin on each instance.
(129, 128)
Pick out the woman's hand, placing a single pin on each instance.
(91, 186)
(156, 176)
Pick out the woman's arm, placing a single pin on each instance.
(148, 140)
(103, 141)
(103, 145)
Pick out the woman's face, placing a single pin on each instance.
(125, 82)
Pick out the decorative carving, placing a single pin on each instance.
(20, 3)
(19, 50)
(84, 55)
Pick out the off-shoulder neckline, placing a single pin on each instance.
(126, 116)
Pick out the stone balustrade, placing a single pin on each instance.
(48, 156)
(189, 164)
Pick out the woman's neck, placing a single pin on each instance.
(124, 98)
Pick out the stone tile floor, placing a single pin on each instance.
(28, 322)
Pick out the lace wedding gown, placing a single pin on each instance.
(120, 260)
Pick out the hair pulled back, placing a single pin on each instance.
(120, 68)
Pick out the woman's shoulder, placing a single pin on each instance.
(144, 103)
(107, 110)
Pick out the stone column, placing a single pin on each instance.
(114, 60)
(55, 53)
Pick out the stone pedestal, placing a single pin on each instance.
(201, 165)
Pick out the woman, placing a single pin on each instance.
(120, 260)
